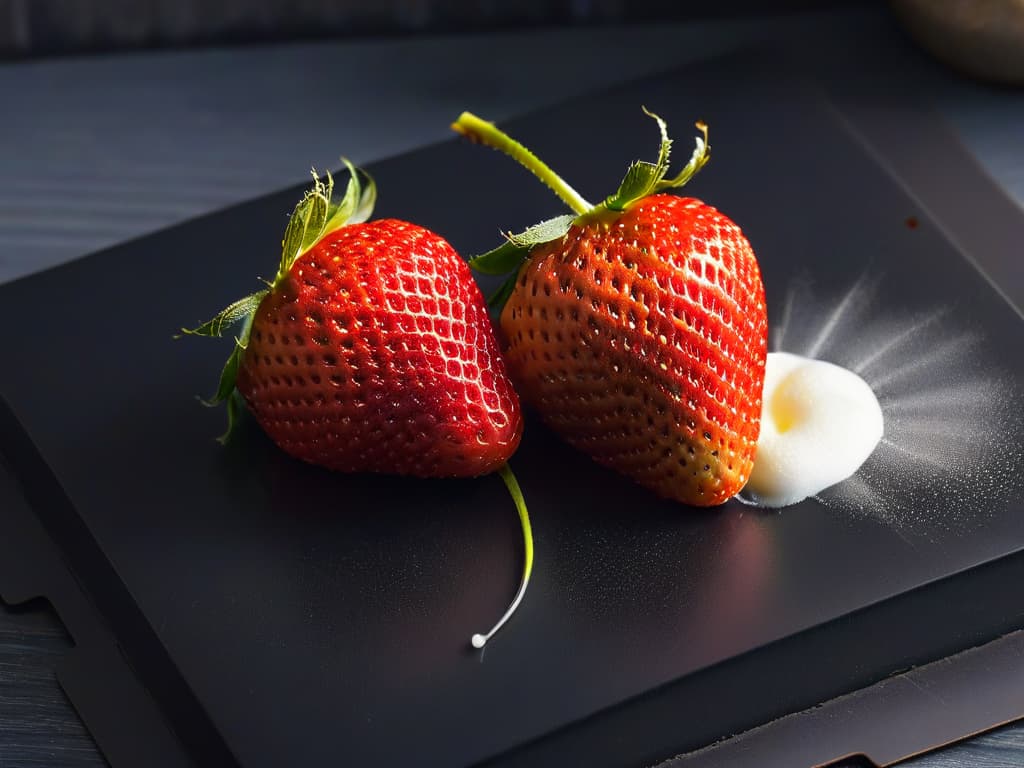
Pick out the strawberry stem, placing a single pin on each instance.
(478, 640)
(488, 134)
(642, 179)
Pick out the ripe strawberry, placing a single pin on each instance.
(372, 351)
(638, 327)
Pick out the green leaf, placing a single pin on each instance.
(502, 260)
(545, 231)
(234, 404)
(243, 310)
(306, 225)
(357, 204)
(510, 255)
(367, 197)
(699, 158)
(340, 214)
(665, 148)
(228, 375)
(516, 248)
(319, 204)
(639, 181)
(229, 316)
(497, 299)
(642, 178)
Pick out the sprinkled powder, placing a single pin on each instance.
(953, 448)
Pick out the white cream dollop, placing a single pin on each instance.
(819, 423)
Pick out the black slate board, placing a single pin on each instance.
(284, 615)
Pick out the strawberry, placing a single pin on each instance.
(637, 327)
(372, 351)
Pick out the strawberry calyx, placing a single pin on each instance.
(642, 179)
(315, 216)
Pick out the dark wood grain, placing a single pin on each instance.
(1002, 748)
(38, 725)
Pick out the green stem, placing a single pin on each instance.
(475, 129)
(479, 641)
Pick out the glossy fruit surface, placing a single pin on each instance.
(639, 340)
(372, 349)
(375, 353)
(638, 327)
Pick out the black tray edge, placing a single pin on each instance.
(98, 674)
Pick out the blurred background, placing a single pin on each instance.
(984, 38)
(137, 114)
(47, 27)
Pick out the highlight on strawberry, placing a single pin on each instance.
(372, 350)
(637, 327)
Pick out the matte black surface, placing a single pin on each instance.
(313, 615)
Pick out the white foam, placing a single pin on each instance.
(953, 450)
(819, 423)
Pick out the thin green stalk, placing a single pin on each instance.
(475, 129)
(479, 641)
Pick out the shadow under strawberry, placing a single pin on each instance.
(383, 560)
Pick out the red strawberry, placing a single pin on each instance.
(375, 353)
(372, 351)
(638, 327)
